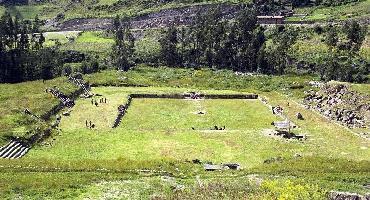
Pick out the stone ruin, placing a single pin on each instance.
(339, 103)
(122, 109)
(62, 97)
(79, 82)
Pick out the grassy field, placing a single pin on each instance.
(335, 13)
(156, 135)
(164, 131)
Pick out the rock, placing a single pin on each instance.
(197, 161)
(67, 113)
(335, 195)
(299, 116)
(297, 155)
(233, 166)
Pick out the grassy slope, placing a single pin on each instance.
(90, 42)
(91, 9)
(320, 13)
(14, 98)
(98, 9)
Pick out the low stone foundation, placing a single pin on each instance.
(123, 108)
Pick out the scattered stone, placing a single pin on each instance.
(67, 113)
(297, 155)
(335, 195)
(62, 97)
(228, 166)
(316, 84)
(339, 103)
(210, 167)
(197, 161)
(272, 160)
(233, 166)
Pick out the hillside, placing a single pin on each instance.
(59, 15)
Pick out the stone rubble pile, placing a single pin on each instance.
(62, 97)
(79, 82)
(339, 103)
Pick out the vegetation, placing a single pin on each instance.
(243, 46)
(159, 149)
(356, 10)
(73, 158)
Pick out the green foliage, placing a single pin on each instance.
(169, 54)
(123, 48)
(147, 50)
(216, 43)
(290, 190)
(277, 54)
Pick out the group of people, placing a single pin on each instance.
(194, 95)
(219, 128)
(277, 110)
(89, 124)
(101, 100)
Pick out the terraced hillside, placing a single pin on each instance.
(97, 15)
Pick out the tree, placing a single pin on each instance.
(355, 35)
(331, 37)
(283, 37)
(169, 53)
(247, 48)
(123, 48)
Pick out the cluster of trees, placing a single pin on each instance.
(244, 46)
(239, 45)
(343, 61)
(215, 42)
(23, 56)
(21, 49)
(123, 48)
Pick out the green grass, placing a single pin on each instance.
(163, 131)
(156, 134)
(61, 37)
(14, 98)
(336, 13)
(2, 10)
(91, 42)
